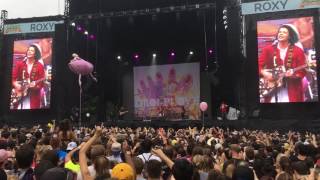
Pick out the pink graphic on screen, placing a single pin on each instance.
(167, 91)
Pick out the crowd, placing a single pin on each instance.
(60, 151)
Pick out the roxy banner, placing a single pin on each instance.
(277, 5)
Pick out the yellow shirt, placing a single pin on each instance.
(73, 167)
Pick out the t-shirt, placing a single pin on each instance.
(61, 154)
(71, 166)
(92, 173)
(148, 156)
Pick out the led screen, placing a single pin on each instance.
(31, 74)
(287, 60)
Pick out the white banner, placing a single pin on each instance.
(33, 27)
(277, 5)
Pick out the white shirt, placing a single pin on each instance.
(92, 173)
(148, 157)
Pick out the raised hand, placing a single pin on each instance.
(98, 131)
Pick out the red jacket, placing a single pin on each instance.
(37, 72)
(294, 84)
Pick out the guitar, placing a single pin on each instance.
(267, 87)
(17, 95)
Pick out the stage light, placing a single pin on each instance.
(79, 28)
(172, 54)
(136, 56)
(191, 53)
(154, 59)
(73, 24)
(225, 11)
(225, 17)
(87, 115)
(210, 51)
(92, 37)
(119, 58)
(86, 33)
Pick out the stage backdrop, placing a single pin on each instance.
(169, 92)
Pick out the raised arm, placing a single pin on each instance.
(164, 157)
(82, 154)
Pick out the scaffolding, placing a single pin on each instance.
(67, 8)
(4, 16)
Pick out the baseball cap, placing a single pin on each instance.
(71, 146)
(116, 147)
(122, 171)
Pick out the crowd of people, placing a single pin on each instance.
(61, 151)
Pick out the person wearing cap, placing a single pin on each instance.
(27, 80)
(116, 151)
(71, 159)
(123, 171)
(283, 55)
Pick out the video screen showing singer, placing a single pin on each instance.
(287, 65)
(29, 88)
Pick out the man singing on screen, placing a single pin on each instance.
(27, 80)
(282, 67)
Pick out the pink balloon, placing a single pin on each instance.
(203, 106)
(80, 66)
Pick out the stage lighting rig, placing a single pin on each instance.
(148, 11)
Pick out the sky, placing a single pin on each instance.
(32, 8)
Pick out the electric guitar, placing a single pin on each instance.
(17, 95)
(267, 87)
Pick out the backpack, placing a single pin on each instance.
(144, 171)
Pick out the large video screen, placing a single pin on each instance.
(31, 74)
(287, 60)
(168, 92)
